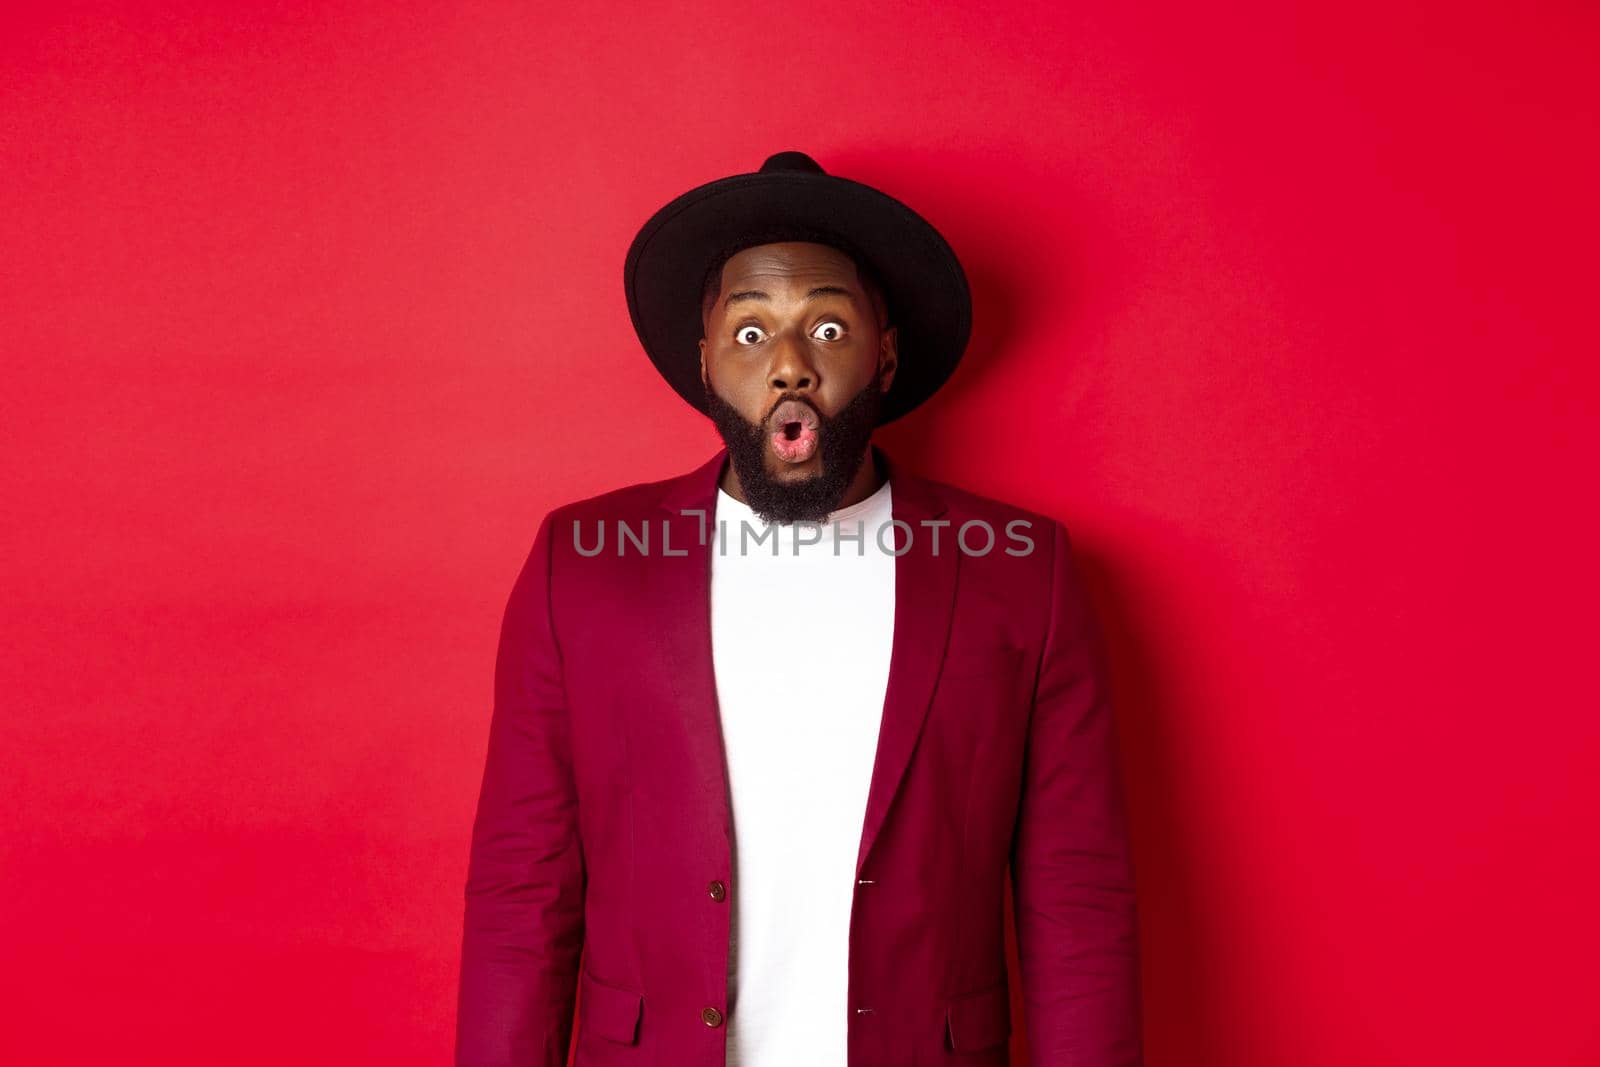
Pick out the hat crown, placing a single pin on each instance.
(792, 161)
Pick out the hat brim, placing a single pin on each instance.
(930, 304)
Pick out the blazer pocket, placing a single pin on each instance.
(979, 1020)
(980, 663)
(607, 1010)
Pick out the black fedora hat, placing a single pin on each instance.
(792, 198)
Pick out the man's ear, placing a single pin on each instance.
(888, 357)
(705, 379)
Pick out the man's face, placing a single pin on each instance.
(794, 360)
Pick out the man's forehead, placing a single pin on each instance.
(790, 259)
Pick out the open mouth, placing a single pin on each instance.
(794, 437)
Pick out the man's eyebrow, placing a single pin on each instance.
(757, 294)
(745, 294)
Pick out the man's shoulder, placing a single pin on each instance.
(589, 529)
(643, 499)
(969, 505)
(1000, 539)
(636, 500)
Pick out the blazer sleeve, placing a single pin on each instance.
(524, 920)
(1071, 868)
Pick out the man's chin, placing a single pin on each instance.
(793, 473)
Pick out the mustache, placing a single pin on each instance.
(798, 398)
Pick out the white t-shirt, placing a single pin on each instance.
(801, 636)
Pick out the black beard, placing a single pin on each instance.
(842, 441)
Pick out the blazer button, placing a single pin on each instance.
(711, 1017)
(717, 890)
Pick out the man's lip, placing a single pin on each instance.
(803, 418)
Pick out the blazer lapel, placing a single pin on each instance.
(677, 601)
(924, 595)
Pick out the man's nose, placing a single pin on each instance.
(791, 367)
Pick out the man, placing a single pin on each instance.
(767, 736)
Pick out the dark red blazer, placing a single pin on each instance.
(600, 866)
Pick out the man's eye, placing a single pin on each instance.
(749, 335)
(828, 331)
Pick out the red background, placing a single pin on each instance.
(309, 313)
